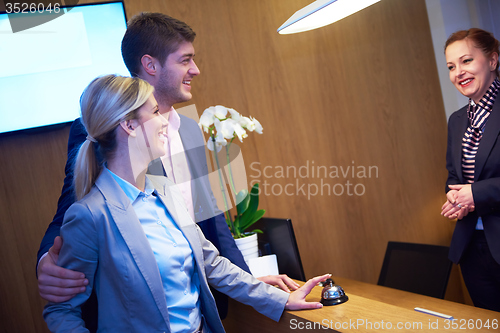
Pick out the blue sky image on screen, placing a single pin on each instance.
(44, 70)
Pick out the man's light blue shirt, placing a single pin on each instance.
(173, 254)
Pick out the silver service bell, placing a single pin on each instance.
(332, 294)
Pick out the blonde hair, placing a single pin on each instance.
(105, 102)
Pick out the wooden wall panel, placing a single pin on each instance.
(32, 172)
(361, 92)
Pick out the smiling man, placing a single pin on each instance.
(158, 49)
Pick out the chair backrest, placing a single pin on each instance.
(279, 239)
(418, 268)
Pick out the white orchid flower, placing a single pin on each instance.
(247, 123)
(258, 126)
(227, 128)
(230, 128)
(219, 129)
(240, 132)
(219, 138)
(211, 145)
(234, 114)
(220, 111)
(207, 118)
(219, 142)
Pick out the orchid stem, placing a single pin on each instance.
(231, 184)
(231, 181)
(227, 213)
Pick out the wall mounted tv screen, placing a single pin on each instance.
(45, 68)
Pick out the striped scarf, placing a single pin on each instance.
(478, 116)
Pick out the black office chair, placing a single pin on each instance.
(418, 268)
(279, 239)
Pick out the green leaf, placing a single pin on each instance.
(254, 218)
(243, 219)
(236, 224)
(254, 200)
(247, 210)
(246, 216)
(242, 201)
(254, 196)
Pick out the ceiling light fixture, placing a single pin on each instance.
(321, 13)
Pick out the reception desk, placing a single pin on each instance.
(370, 308)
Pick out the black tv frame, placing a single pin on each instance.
(51, 127)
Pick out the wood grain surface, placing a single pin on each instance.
(361, 94)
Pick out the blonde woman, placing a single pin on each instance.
(132, 237)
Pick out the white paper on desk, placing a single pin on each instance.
(262, 266)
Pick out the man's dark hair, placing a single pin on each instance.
(154, 34)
